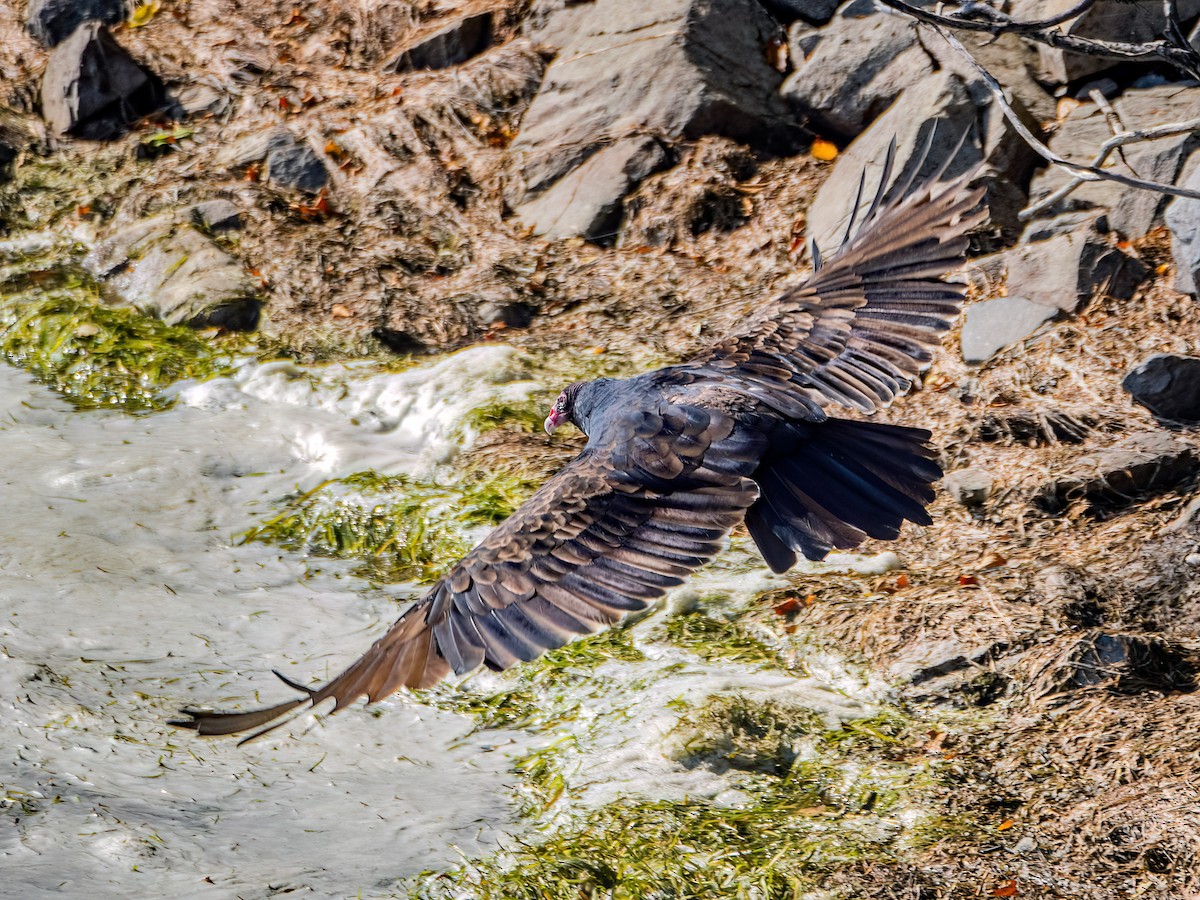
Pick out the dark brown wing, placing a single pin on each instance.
(861, 327)
(646, 503)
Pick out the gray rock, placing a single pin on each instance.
(217, 215)
(53, 21)
(552, 23)
(1182, 216)
(673, 69)
(1168, 385)
(446, 46)
(937, 104)
(289, 161)
(1129, 211)
(166, 268)
(970, 486)
(1106, 20)
(1014, 63)
(93, 89)
(992, 325)
(802, 40)
(1114, 478)
(1071, 268)
(856, 70)
(587, 202)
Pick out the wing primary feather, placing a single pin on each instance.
(862, 183)
(885, 177)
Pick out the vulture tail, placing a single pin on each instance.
(836, 483)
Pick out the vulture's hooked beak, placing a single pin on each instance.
(553, 421)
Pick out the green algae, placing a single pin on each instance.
(99, 356)
(771, 848)
(537, 696)
(716, 639)
(398, 527)
(807, 798)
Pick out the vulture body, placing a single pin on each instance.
(677, 457)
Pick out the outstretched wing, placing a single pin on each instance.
(858, 330)
(646, 502)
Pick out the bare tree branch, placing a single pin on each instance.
(1113, 143)
(1081, 171)
(1174, 51)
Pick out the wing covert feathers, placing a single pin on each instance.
(865, 324)
(661, 483)
(616, 528)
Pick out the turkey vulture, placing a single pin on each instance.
(677, 457)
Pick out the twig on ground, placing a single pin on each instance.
(1113, 143)
(1081, 171)
(1174, 50)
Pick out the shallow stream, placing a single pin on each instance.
(127, 593)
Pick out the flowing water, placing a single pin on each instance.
(125, 594)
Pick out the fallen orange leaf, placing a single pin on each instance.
(787, 607)
(1008, 889)
(1005, 825)
(823, 150)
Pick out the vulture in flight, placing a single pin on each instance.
(677, 457)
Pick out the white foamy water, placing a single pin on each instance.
(123, 597)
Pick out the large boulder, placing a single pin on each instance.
(859, 63)
(53, 21)
(1105, 20)
(587, 202)
(93, 89)
(674, 69)
(1131, 212)
(937, 107)
(164, 267)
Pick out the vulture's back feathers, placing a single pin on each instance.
(672, 464)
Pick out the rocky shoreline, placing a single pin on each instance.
(623, 180)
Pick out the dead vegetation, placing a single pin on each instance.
(1084, 786)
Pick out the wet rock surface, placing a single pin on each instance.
(166, 268)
